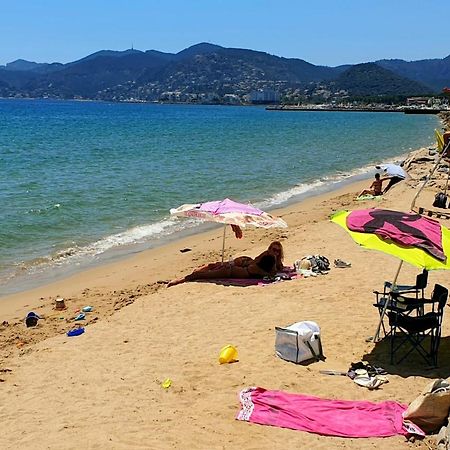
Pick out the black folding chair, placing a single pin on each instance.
(410, 332)
(395, 296)
(418, 289)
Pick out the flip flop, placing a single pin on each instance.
(362, 378)
(341, 264)
(75, 332)
(80, 316)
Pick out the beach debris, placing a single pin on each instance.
(75, 332)
(31, 319)
(228, 354)
(87, 309)
(166, 383)
(184, 250)
(80, 316)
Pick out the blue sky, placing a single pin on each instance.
(327, 32)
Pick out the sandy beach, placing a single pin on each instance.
(103, 389)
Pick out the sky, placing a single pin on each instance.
(322, 32)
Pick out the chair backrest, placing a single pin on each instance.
(422, 280)
(440, 294)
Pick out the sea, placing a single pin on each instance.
(84, 183)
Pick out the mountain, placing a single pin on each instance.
(198, 49)
(22, 65)
(370, 79)
(232, 70)
(207, 70)
(434, 73)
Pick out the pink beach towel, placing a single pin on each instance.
(244, 282)
(406, 229)
(316, 415)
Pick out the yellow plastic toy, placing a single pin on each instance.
(228, 354)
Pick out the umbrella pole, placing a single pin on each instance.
(383, 312)
(223, 241)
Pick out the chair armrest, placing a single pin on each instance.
(412, 300)
(399, 287)
(405, 291)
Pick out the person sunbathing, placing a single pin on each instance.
(275, 249)
(240, 267)
(376, 188)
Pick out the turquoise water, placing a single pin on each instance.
(81, 179)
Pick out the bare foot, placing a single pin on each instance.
(175, 282)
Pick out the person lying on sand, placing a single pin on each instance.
(275, 249)
(265, 264)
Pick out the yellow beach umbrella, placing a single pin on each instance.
(426, 243)
(439, 140)
(412, 255)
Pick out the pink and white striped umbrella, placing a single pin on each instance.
(229, 212)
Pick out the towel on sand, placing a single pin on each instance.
(327, 417)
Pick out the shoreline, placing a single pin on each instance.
(53, 271)
(100, 270)
(356, 182)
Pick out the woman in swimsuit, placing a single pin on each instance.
(265, 264)
(275, 249)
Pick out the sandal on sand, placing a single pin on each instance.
(341, 264)
(75, 332)
(362, 378)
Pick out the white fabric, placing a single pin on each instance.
(393, 170)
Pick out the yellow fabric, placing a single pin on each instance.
(439, 139)
(411, 255)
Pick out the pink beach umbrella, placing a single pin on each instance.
(229, 212)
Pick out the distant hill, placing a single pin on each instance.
(370, 79)
(29, 66)
(434, 73)
(211, 70)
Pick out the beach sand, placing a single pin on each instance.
(103, 389)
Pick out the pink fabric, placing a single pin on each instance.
(229, 206)
(290, 271)
(405, 229)
(327, 417)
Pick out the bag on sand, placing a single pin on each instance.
(319, 263)
(299, 342)
(430, 409)
(440, 200)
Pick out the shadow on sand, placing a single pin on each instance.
(414, 364)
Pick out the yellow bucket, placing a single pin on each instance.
(228, 354)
